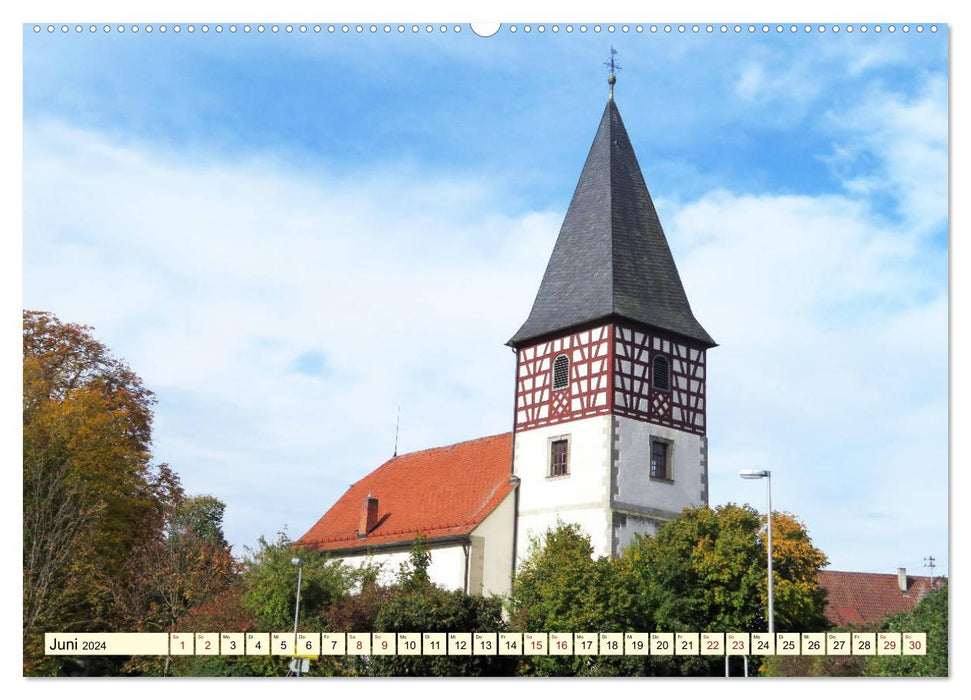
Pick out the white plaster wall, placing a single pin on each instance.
(633, 468)
(596, 522)
(497, 530)
(447, 567)
(582, 497)
(629, 526)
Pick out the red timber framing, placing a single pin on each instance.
(626, 353)
(683, 405)
(588, 391)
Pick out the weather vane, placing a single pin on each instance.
(612, 65)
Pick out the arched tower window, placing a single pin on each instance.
(661, 371)
(561, 372)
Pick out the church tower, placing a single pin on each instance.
(610, 391)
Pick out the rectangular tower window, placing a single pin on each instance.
(660, 460)
(559, 456)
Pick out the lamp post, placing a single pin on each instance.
(767, 475)
(296, 613)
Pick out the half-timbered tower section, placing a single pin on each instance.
(610, 391)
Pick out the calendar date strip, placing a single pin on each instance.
(318, 644)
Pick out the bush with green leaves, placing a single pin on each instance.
(929, 616)
(561, 588)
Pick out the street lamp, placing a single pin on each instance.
(767, 475)
(296, 613)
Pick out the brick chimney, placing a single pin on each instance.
(369, 516)
(902, 580)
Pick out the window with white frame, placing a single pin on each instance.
(559, 457)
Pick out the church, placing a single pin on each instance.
(609, 429)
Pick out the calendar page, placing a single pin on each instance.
(536, 348)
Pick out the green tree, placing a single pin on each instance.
(264, 600)
(414, 572)
(198, 519)
(271, 584)
(560, 588)
(929, 615)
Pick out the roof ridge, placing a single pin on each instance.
(389, 462)
(445, 447)
(876, 573)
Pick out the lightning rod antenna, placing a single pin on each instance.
(397, 422)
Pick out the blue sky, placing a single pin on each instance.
(288, 236)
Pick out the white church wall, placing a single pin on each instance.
(627, 526)
(634, 487)
(446, 569)
(582, 496)
(497, 531)
(594, 521)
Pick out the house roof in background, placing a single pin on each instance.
(857, 598)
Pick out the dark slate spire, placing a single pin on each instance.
(611, 258)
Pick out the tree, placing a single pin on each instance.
(707, 570)
(92, 495)
(262, 599)
(223, 613)
(270, 594)
(413, 574)
(198, 519)
(187, 569)
(271, 584)
(561, 588)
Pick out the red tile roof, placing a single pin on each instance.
(445, 491)
(856, 598)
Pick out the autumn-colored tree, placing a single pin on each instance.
(707, 570)
(170, 577)
(92, 496)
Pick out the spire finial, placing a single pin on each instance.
(612, 65)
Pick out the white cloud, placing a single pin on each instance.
(832, 368)
(751, 81)
(212, 279)
(782, 91)
(906, 140)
